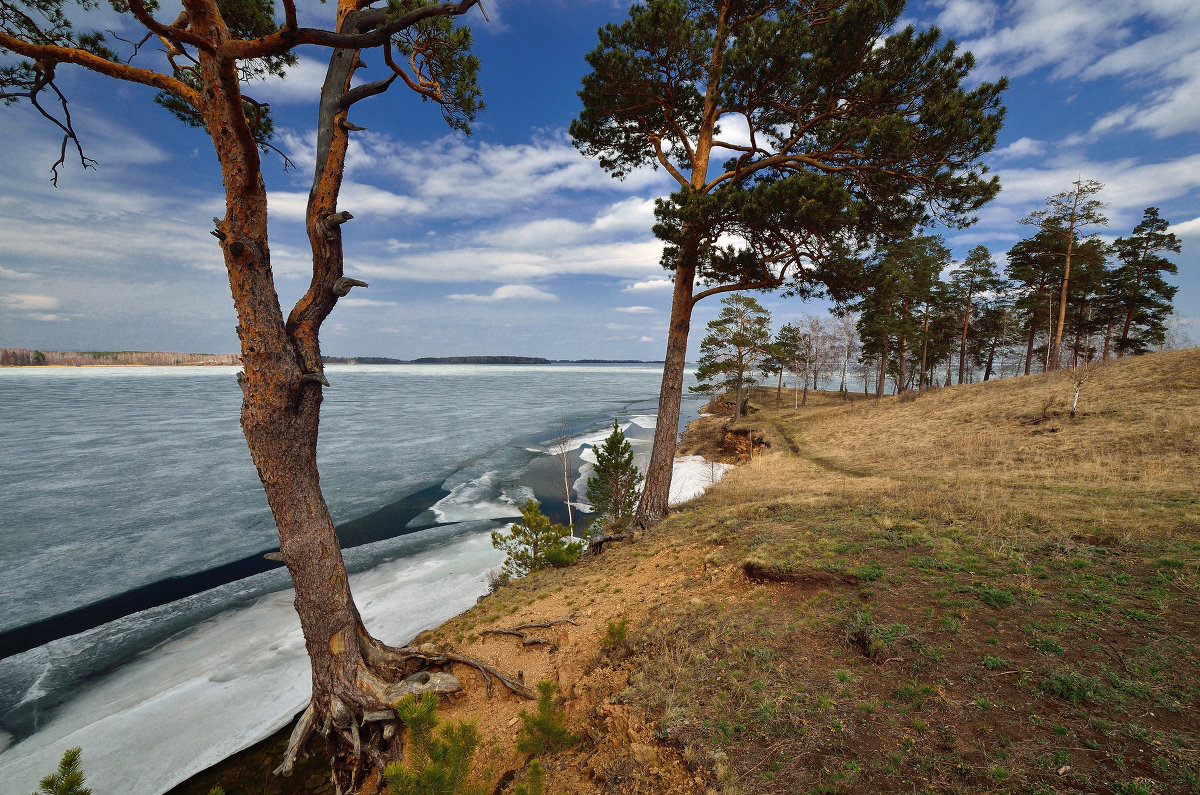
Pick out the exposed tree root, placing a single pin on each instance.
(519, 632)
(596, 546)
(361, 730)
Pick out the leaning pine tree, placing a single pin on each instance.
(212, 47)
(614, 487)
(847, 128)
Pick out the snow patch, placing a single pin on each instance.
(692, 475)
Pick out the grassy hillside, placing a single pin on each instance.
(965, 592)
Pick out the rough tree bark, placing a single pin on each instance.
(352, 673)
(657, 488)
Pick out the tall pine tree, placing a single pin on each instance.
(1137, 284)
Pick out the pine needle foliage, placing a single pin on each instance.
(613, 489)
(544, 731)
(434, 765)
(68, 779)
(535, 781)
(534, 543)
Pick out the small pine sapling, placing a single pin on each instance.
(535, 781)
(438, 765)
(545, 730)
(68, 779)
(533, 543)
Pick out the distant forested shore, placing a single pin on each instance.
(26, 357)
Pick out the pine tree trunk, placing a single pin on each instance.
(924, 348)
(1029, 348)
(987, 373)
(962, 346)
(657, 489)
(281, 407)
(1062, 300)
(879, 384)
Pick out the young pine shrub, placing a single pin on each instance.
(433, 765)
(68, 779)
(535, 781)
(544, 731)
(533, 543)
(615, 634)
(614, 487)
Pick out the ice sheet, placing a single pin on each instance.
(232, 680)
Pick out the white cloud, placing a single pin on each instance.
(733, 130)
(30, 303)
(965, 16)
(626, 215)
(646, 339)
(1022, 147)
(1187, 228)
(1067, 35)
(301, 84)
(8, 273)
(365, 199)
(1128, 184)
(634, 310)
(496, 263)
(649, 285)
(507, 292)
(1146, 42)
(1176, 108)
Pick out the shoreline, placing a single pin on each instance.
(252, 766)
(390, 521)
(359, 531)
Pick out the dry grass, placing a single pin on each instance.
(973, 599)
(978, 599)
(1137, 429)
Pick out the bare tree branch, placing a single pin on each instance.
(285, 39)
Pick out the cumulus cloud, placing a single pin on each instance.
(634, 310)
(507, 292)
(1187, 228)
(1022, 147)
(300, 84)
(649, 285)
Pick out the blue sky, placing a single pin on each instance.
(510, 241)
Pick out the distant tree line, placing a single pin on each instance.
(1063, 299)
(908, 315)
(24, 357)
